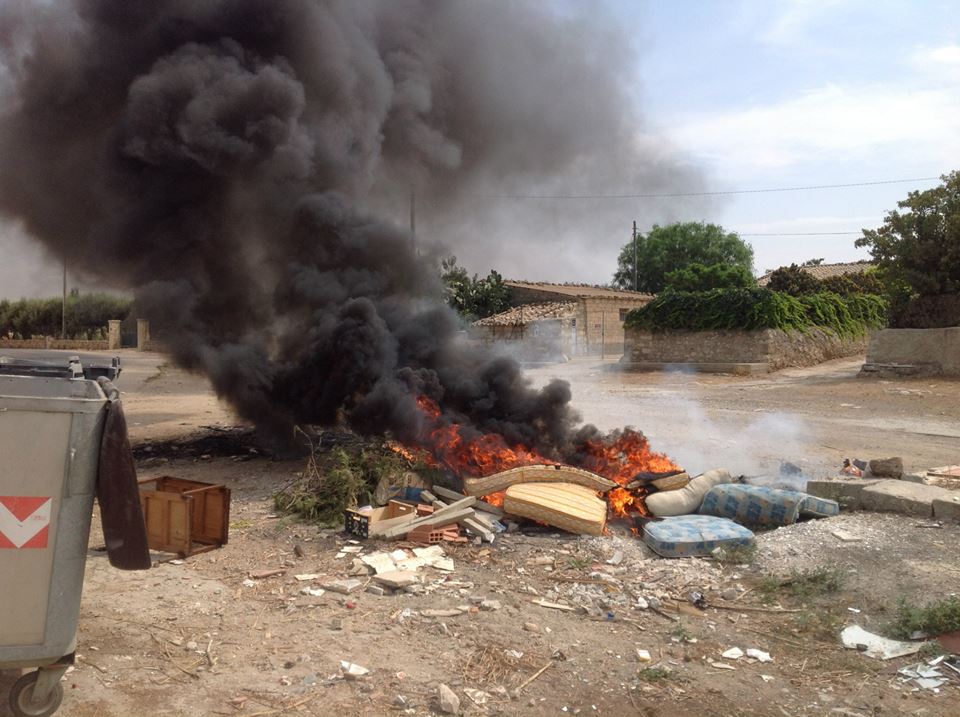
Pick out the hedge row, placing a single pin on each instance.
(760, 308)
(87, 316)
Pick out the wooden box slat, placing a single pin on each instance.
(184, 516)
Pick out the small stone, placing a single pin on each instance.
(654, 603)
(397, 579)
(641, 603)
(531, 627)
(376, 590)
(344, 587)
(190, 646)
(449, 702)
(729, 594)
(887, 467)
(643, 655)
(490, 605)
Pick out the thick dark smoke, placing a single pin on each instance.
(226, 158)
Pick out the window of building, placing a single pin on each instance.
(623, 314)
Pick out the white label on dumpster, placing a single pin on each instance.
(24, 521)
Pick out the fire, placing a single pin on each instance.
(472, 454)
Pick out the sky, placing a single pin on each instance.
(757, 94)
(765, 94)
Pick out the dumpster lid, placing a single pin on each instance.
(60, 367)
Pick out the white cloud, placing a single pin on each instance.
(831, 122)
(793, 23)
(944, 55)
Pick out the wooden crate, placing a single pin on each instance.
(357, 522)
(184, 516)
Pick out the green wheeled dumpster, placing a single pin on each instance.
(53, 442)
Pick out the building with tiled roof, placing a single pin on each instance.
(825, 271)
(563, 319)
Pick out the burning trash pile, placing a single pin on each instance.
(454, 482)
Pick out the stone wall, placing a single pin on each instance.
(735, 351)
(56, 344)
(936, 351)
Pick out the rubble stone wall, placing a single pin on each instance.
(57, 344)
(777, 349)
(938, 348)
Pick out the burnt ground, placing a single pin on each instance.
(194, 639)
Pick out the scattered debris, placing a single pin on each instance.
(925, 676)
(352, 671)
(855, 637)
(759, 655)
(845, 537)
(449, 702)
(344, 587)
(734, 653)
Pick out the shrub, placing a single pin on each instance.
(759, 308)
(87, 315)
(793, 280)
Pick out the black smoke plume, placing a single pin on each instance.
(225, 159)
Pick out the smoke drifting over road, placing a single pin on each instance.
(226, 159)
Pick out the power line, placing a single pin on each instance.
(800, 234)
(706, 194)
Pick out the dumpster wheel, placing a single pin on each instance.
(21, 698)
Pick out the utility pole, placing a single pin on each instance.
(63, 308)
(413, 217)
(635, 277)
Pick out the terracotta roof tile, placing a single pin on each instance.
(576, 290)
(825, 271)
(520, 315)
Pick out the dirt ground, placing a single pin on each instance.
(201, 637)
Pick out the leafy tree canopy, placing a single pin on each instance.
(919, 247)
(698, 277)
(677, 246)
(473, 297)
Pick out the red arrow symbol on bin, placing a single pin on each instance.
(24, 521)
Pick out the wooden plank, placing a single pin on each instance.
(435, 519)
(478, 528)
(479, 505)
(381, 527)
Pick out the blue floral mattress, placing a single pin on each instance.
(688, 535)
(761, 506)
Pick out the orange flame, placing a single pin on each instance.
(484, 454)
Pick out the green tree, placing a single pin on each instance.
(677, 246)
(473, 297)
(698, 277)
(919, 248)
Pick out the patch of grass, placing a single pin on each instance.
(240, 524)
(821, 624)
(822, 580)
(655, 674)
(737, 555)
(680, 632)
(929, 650)
(579, 563)
(768, 589)
(932, 619)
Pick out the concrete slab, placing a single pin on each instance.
(897, 496)
(947, 509)
(848, 492)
